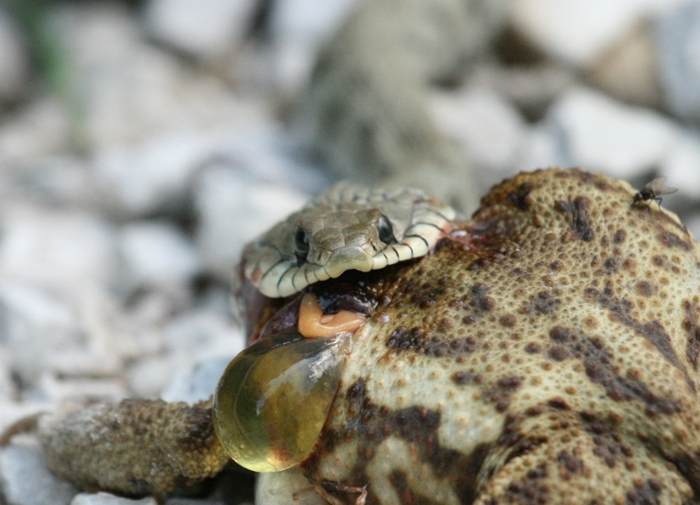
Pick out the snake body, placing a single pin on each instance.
(348, 227)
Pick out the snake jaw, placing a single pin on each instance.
(341, 232)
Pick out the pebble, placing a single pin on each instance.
(45, 333)
(108, 499)
(206, 29)
(678, 46)
(198, 383)
(128, 91)
(600, 134)
(222, 193)
(26, 480)
(38, 130)
(297, 30)
(61, 249)
(156, 254)
(489, 127)
(14, 61)
(579, 32)
(682, 164)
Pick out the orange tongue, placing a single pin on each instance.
(314, 323)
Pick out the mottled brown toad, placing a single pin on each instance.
(547, 352)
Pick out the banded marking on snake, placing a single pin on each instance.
(348, 227)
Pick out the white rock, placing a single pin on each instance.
(148, 377)
(27, 481)
(109, 499)
(298, 28)
(579, 31)
(208, 29)
(14, 60)
(693, 224)
(679, 59)
(48, 333)
(289, 486)
(130, 90)
(202, 334)
(599, 134)
(233, 208)
(157, 174)
(66, 390)
(156, 254)
(682, 165)
(14, 411)
(489, 127)
(60, 249)
(539, 149)
(39, 129)
(198, 383)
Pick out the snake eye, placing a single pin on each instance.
(385, 230)
(301, 245)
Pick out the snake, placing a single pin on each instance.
(347, 227)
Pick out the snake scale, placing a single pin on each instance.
(347, 227)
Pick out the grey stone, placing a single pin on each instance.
(198, 383)
(577, 32)
(14, 60)
(47, 333)
(682, 164)
(256, 204)
(489, 127)
(108, 499)
(599, 134)
(282, 488)
(156, 254)
(131, 91)
(678, 36)
(39, 129)
(27, 481)
(61, 249)
(207, 29)
(298, 28)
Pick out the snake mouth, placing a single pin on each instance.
(355, 301)
(339, 260)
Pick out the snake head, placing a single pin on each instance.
(349, 227)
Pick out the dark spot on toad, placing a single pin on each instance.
(600, 369)
(610, 265)
(645, 288)
(645, 494)
(579, 220)
(558, 403)
(416, 340)
(520, 197)
(461, 378)
(619, 237)
(570, 463)
(668, 239)
(543, 303)
(508, 320)
(533, 348)
(558, 353)
(531, 490)
(690, 325)
(511, 382)
(652, 331)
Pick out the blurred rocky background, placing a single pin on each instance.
(142, 143)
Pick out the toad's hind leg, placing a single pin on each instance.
(575, 466)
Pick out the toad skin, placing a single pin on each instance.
(547, 352)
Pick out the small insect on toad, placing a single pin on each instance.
(652, 191)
